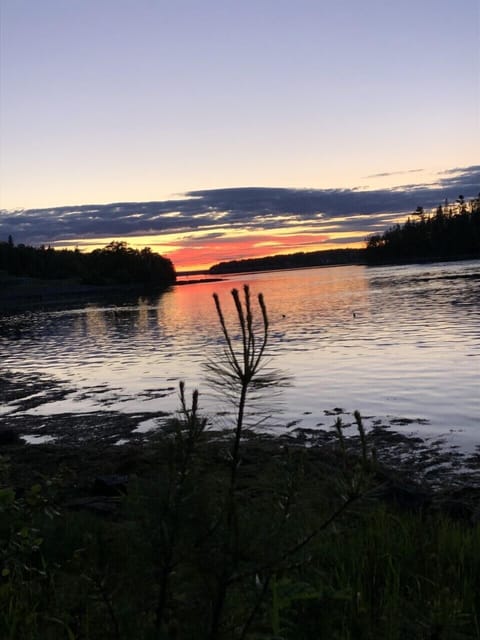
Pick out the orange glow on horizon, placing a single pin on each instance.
(200, 250)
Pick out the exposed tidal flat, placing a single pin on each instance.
(103, 434)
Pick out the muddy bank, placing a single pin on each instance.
(22, 293)
(103, 443)
(108, 451)
(20, 393)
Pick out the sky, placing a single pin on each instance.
(212, 130)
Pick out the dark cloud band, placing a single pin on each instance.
(253, 208)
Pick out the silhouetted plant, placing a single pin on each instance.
(239, 372)
(187, 432)
(363, 437)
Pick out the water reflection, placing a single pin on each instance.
(399, 340)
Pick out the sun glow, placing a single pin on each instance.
(199, 250)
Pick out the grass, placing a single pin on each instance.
(375, 571)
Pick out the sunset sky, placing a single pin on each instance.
(221, 129)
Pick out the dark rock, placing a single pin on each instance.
(9, 436)
(105, 506)
(112, 485)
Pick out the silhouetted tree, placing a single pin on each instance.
(117, 263)
(291, 261)
(454, 234)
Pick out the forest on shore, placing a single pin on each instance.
(324, 258)
(450, 231)
(114, 264)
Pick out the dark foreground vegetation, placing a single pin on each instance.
(117, 263)
(448, 232)
(314, 547)
(199, 535)
(323, 258)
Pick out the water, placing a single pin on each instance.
(392, 342)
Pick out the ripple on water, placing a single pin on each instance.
(411, 349)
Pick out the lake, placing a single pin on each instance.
(401, 344)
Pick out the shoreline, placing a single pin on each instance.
(28, 292)
(106, 434)
(21, 294)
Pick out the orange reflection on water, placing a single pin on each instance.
(316, 295)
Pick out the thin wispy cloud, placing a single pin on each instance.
(387, 174)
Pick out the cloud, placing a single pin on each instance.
(464, 180)
(465, 171)
(219, 212)
(387, 174)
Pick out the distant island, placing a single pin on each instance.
(323, 258)
(449, 232)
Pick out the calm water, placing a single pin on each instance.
(389, 341)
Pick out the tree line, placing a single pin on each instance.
(291, 261)
(450, 231)
(116, 263)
